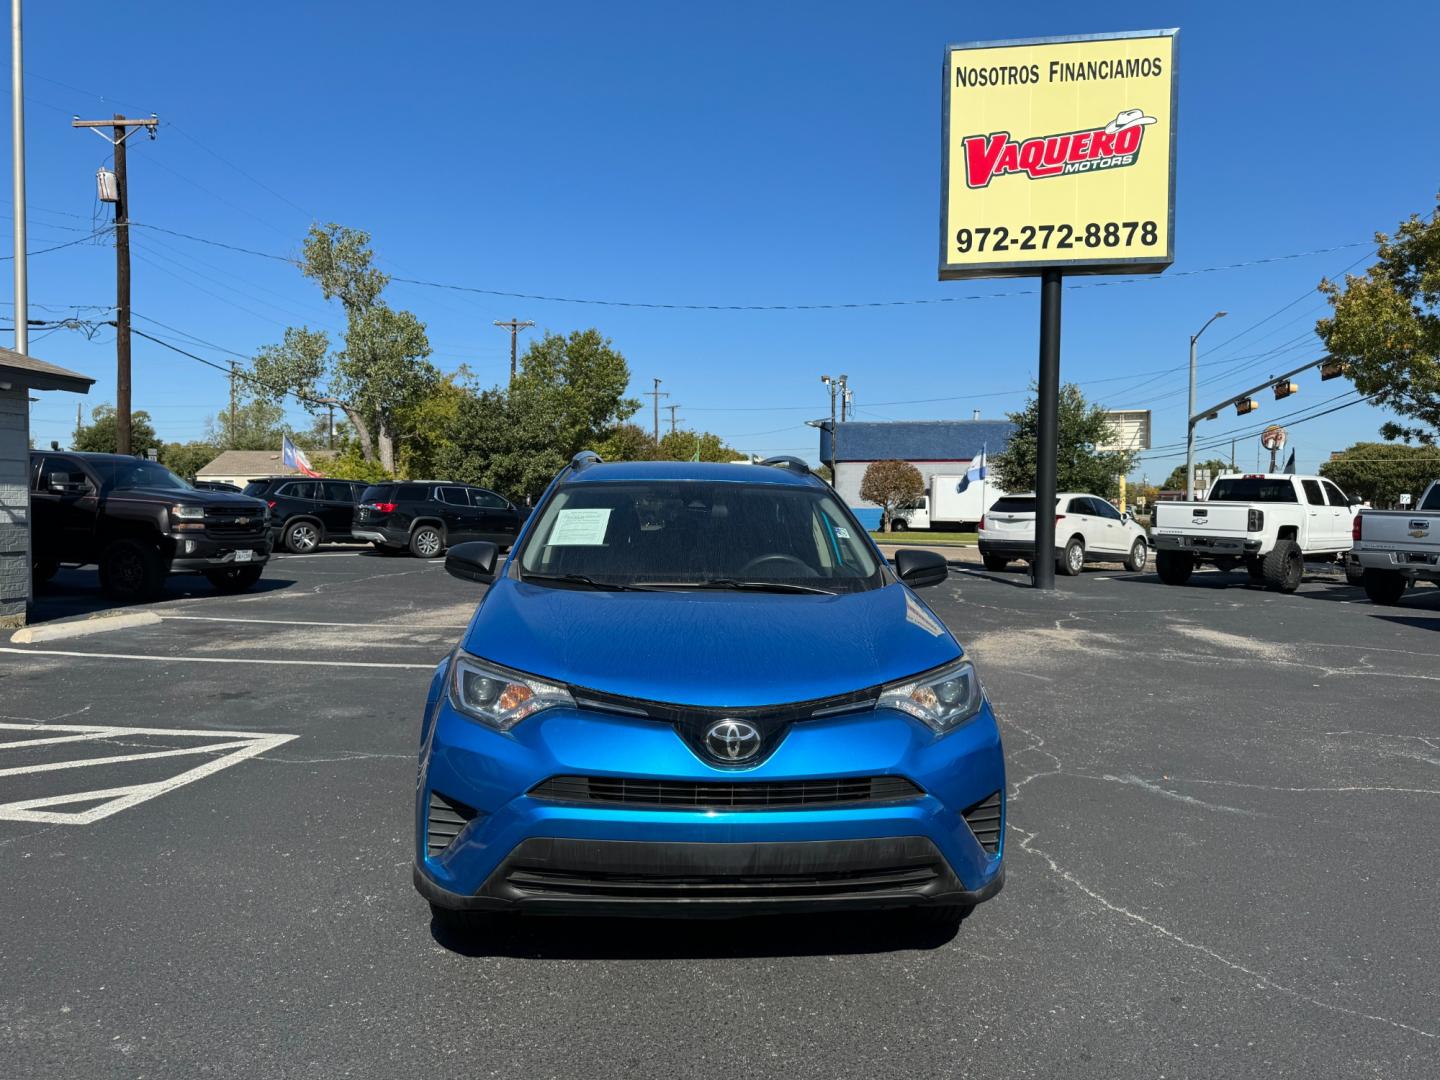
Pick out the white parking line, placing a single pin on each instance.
(240, 744)
(217, 659)
(298, 622)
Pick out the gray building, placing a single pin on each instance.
(934, 447)
(18, 376)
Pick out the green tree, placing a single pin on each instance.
(1176, 480)
(682, 445)
(258, 423)
(98, 436)
(1386, 327)
(889, 484)
(426, 428)
(382, 367)
(1081, 464)
(186, 459)
(1382, 472)
(570, 392)
(626, 442)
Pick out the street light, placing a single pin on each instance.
(1190, 418)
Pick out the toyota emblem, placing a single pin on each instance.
(732, 740)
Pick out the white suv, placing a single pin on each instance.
(1087, 529)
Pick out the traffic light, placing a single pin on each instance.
(1331, 369)
(1248, 405)
(1285, 389)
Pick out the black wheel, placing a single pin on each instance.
(42, 570)
(234, 579)
(1073, 560)
(1174, 567)
(426, 542)
(995, 562)
(1384, 586)
(1256, 569)
(1284, 566)
(301, 537)
(899, 525)
(131, 571)
(1139, 556)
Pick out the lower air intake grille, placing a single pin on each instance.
(880, 879)
(741, 795)
(444, 822)
(984, 821)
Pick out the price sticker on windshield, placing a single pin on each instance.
(580, 527)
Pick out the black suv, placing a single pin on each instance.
(138, 521)
(306, 513)
(428, 516)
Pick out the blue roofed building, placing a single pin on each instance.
(935, 447)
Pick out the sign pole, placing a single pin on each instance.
(1048, 437)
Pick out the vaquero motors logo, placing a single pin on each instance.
(1112, 146)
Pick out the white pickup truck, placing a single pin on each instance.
(1395, 547)
(1267, 522)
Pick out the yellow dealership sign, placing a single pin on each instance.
(1059, 153)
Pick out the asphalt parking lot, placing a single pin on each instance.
(1221, 850)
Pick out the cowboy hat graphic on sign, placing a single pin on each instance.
(1128, 118)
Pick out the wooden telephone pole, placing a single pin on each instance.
(514, 326)
(123, 128)
(672, 409)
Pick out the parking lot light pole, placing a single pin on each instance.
(1190, 421)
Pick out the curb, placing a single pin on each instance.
(30, 635)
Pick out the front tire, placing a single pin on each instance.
(1073, 560)
(1284, 566)
(1139, 556)
(1174, 567)
(426, 542)
(899, 526)
(234, 580)
(1384, 586)
(301, 537)
(995, 562)
(131, 571)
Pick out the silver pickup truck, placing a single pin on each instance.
(1393, 548)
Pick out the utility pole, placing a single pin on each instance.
(514, 326)
(122, 129)
(232, 403)
(330, 431)
(1192, 420)
(78, 425)
(672, 409)
(834, 385)
(657, 394)
(17, 135)
(844, 395)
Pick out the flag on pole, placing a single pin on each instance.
(979, 470)
(292, 457)
(1290, 464)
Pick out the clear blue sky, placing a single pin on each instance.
(732, 154)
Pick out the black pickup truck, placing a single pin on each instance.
(137, 521)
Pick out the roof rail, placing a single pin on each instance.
(787, 461)
(584, 459)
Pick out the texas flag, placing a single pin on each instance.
(978, 471)
(292, 457)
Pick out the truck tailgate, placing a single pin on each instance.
(1399, 530)
(1203, 518)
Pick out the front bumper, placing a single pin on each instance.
(530, 853)
(200, 552)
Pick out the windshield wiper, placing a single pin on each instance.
(732, 583)
(582, 581)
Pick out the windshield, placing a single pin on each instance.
(1253, 489)
(679, 533)
(256, 488)
(125, 475)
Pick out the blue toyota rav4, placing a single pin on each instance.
(698, 689)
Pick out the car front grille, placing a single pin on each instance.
(445, 821)
(235, 526)
(984, 819)
(646, 794)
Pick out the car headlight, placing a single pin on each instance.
(188, 513)
(497, 696)
(944, 698)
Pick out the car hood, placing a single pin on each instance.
(710, 648)
(215, 500)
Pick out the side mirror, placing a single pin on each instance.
(919, 568)
(474, 561)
